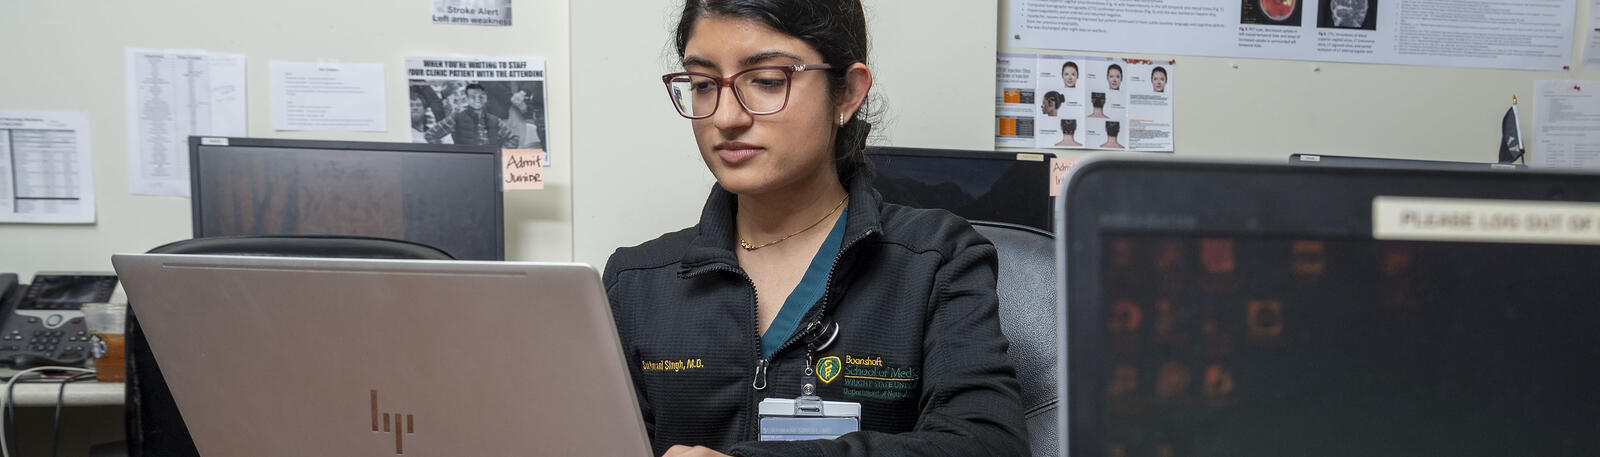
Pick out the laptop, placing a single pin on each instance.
(1252, 309)
(272, 356)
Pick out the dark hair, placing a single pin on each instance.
(1116, 67)
(837, 29)
(1069, 125)
(1053, 96)
(1068, 64)
(1113, 127)
(1097, 99)
(474, 86)
(1158, 69)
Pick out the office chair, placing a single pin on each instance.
(1028, 318)
(154, 426)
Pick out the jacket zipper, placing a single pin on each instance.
(759, 382)
(761, 364)
(822, 307)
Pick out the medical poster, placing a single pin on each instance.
(478, 100)
(1591, 48)
(1079, 102)
(45, 173)
(1512, 34)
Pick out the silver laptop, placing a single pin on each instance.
(290, 356)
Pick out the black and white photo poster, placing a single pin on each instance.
(496, 101)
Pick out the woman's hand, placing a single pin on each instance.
(697, 451)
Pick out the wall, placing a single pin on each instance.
(68, 56)
(626, 169)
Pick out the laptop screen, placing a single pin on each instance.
(1252, 346)
(1233, 310)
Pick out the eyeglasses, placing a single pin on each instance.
(760, 90)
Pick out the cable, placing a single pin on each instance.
(61, 396)
(5, 450)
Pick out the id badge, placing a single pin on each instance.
(807, 418)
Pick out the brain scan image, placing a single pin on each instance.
(1277, 10)
(1349, 13)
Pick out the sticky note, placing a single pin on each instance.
(521, 169)
(1058, 173)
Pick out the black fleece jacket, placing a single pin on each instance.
(919, 342)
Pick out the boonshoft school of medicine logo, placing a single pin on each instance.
(828, 369)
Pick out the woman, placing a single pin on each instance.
(1069, 128)
(1112, 129)
(1052, 103)
(1098, 101)
(798, 278)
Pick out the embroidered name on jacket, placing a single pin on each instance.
(672, 365)
(870, 377)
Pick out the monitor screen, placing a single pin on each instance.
(444, 196)
(1257, 346)
(976, 185)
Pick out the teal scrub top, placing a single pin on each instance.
(806, 294)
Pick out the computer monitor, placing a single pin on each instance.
(445, 196)
(1266, 309)
(978, 185)
(1381, 162)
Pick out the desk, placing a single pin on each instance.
(81, 393)
(95, 415)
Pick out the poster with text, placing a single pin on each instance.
(1077, 102)
(472, 12)
(1513, 34)
(478, 100)
(45, 171)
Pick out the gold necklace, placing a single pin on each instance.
(751, 247)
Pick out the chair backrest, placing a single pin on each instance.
(1028, 318)
(154, 426)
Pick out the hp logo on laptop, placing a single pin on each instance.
(402, 425)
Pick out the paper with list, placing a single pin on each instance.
(328, 97)
(173, 94)
(45, 174)
(1566, 122)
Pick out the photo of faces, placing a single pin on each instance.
(1107, 88)
(509, 114)
(1347, 14)
(1061, 107)
(1270, 12)
(1146, 77)
(1082, 102)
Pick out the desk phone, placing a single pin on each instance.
(42, 319)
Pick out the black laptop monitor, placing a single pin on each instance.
(976, 185)
(444, 196)
(1224, 309)
(1382, 162)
